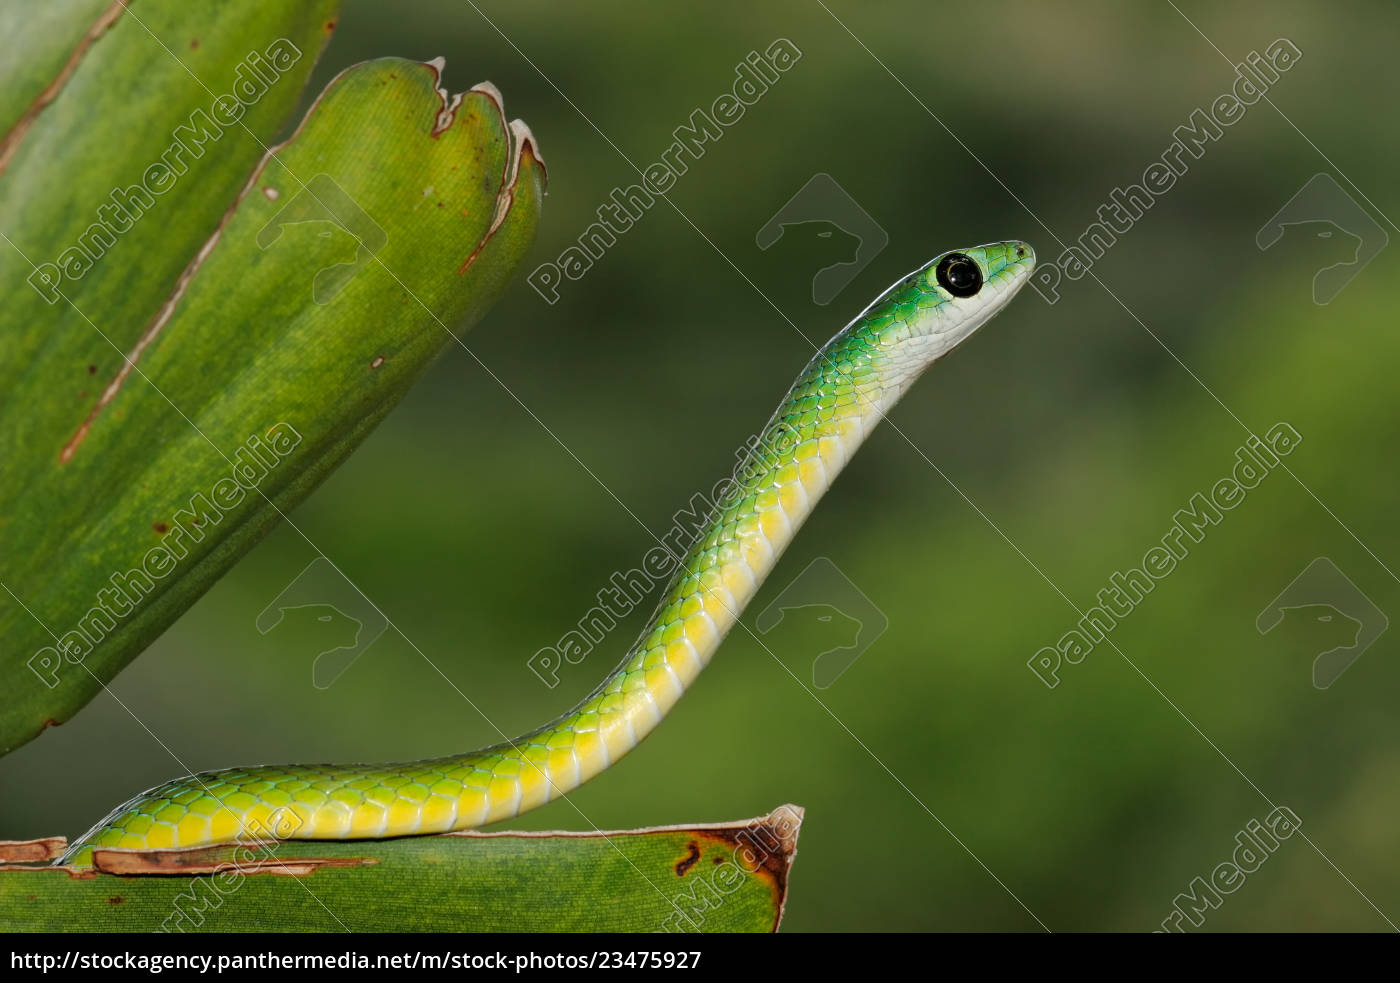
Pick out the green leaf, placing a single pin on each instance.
(727, 877)
(45, 42)
(162, 409)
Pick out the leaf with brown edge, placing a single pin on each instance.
(708, 877)
(32, 851)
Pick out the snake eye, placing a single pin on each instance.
(959, 275)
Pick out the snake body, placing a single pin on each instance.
(843, 392)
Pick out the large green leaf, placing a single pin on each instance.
(161, 409)
(729, 877)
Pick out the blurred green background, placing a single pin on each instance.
(1075, 432)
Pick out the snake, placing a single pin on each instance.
(842, 394)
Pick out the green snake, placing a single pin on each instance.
(839, 398)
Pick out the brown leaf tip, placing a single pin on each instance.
(527, 145)
(218, 859)
(32, 851)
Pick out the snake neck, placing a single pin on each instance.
(755, 513)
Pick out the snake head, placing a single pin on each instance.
(938, 306)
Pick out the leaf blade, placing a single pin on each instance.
(705, 877)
